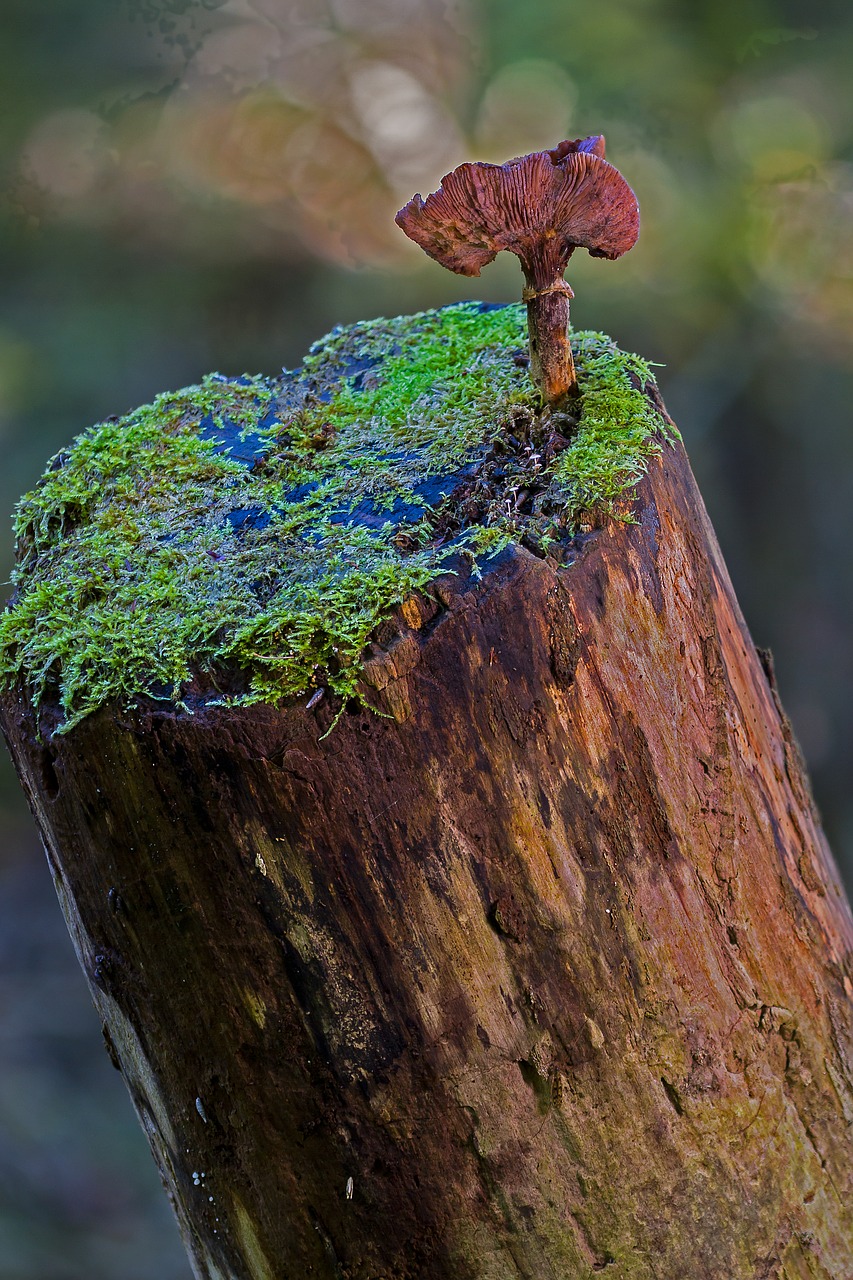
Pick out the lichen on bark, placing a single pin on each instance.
(239, 541)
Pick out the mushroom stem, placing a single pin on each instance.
(552, 366)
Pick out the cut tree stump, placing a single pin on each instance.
(543, 972)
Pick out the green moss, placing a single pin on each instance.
(618, 429)
(244, 538)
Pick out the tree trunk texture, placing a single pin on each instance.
(544, 973)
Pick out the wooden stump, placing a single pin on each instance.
(544, 973)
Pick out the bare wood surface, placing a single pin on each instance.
(545, 974)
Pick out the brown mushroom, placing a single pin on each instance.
(541, 207)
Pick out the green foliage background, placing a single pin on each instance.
(189, 185)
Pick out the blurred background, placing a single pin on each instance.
(189, 185)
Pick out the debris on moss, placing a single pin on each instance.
(246, 536)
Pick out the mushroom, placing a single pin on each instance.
(541, 207)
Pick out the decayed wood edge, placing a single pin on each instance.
(554, 962)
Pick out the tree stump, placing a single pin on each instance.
(543, 970)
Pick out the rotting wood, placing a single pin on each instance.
(546, 972)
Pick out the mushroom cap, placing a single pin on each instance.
(541, 207)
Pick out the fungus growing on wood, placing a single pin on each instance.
(540, 207)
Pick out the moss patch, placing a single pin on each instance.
(246, 536)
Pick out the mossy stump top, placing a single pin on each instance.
(240, 540)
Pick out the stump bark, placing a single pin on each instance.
(544, 972)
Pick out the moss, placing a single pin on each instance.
(243, 538)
